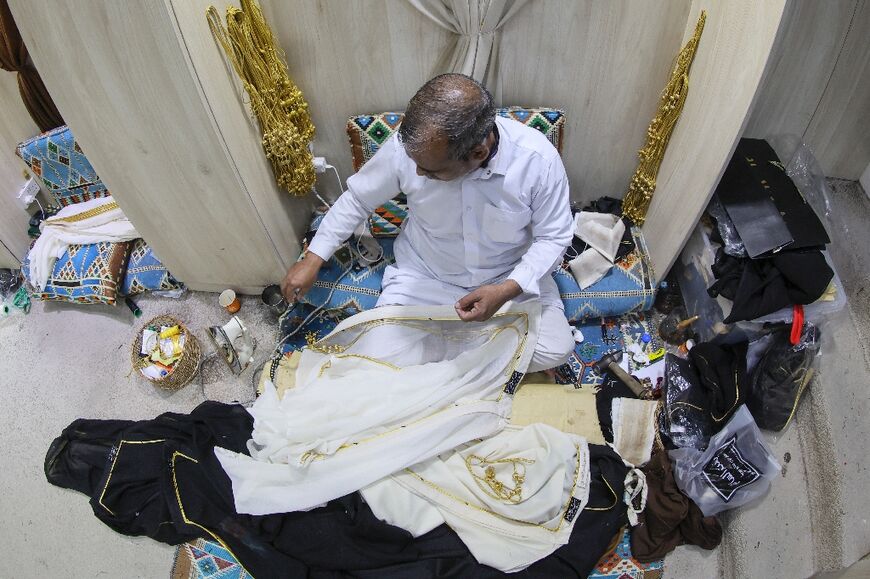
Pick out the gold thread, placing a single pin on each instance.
(613, 492)
(643, 183)
(84, 214)
(277, 102)
(493, 487)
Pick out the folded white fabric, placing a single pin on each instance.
(589, 267)
(81, 223)
(388, 388)
(634, 428)
(512, 498)
(603, 233)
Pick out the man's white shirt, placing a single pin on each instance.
(508, 220)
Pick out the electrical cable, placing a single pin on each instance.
(276, 351)
(337, 176)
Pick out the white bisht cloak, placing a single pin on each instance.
(388, 388)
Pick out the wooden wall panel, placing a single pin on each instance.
(800, 67)
(284, 217)
(15, 126)
(119, 75)
(353, 57)
(839, 133)
(723, 82)
(605, 63)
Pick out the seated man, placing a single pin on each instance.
(488, 218)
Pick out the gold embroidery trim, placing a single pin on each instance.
(214, 536)
(561, 515)
(522, 317)
(85, 214)
(493, 487)
(112, 467)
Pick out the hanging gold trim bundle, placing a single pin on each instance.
(277, 102)
(643, 182)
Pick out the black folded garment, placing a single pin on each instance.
(766, 207)
(160, 478)
(781, 376)
(762, 286)
(701, 393)
(722, 373)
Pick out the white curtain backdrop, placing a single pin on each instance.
(476, 24)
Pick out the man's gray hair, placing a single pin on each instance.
(453, 105)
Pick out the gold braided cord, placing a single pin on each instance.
(277, 102)
(643, 182)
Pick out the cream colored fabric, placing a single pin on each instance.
(388, 388)
(565, 408)
(634, 429)
(285, 374)
(476, 24)
(81, 223)
(544, 477)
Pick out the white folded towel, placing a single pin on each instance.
(89, 222)
(603, 233)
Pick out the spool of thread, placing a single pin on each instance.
(133, 307)
(229, 301)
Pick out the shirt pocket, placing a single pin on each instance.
(505, 226)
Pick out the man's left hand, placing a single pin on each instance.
(482, 303)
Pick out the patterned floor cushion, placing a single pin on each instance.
(145, 272)
(57, 159)
(355, 291)
(86, 274)
(368, 132)
(628, 287)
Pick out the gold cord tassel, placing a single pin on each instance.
(276, 101)
(643, 182)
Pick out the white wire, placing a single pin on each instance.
(337, 176)
(41, 208)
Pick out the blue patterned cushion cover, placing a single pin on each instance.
(57, 159)
(86, 274)
(358, 290)
(627, 287)
(145, 272)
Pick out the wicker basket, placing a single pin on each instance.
(184, 369)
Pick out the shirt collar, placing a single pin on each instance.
(498, 160)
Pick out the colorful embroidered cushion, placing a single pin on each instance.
(627, 287)
(204, 559)
(387, 219)
(357, 290)
(57, 159)
(86, 274)
(368, 132)
(145, 272)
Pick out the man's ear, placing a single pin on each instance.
(479, 153)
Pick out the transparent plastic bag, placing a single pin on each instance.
(781, 376)
(806, 172)
(732, 244)
(684, 420)
(736, 468)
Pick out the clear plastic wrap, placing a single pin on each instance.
(732, 244)
(804, 169)
(684, 420)
(736, 468)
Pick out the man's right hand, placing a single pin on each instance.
(300, 277)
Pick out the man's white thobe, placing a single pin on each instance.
(508, 220)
